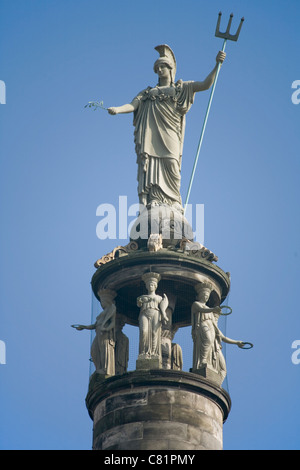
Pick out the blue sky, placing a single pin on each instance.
(60, 161)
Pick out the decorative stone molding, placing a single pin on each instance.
(116, 253)
(197, 250)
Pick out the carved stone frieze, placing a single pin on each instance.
(116, 253)
(197, 250)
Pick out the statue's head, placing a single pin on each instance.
(106, 297)
(151, 280)
(203, 290)
(167, 60)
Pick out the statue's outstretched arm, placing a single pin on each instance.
(240, 344)
(84, 327)
(126, 108)
(197, 307)
(209, 80)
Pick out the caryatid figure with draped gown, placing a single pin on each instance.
(152, 314)
(206, 334)
(159, 121)
(103, 345)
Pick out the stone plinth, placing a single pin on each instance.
(164, 220)
(148, 363)
(157, 410)
(210, 374)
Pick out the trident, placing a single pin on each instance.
(226, 36)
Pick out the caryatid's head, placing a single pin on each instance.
(106, 297)
(203, 290)
(151, 280)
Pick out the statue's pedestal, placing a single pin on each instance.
(210, 374)
(157, 410)
(148, 363)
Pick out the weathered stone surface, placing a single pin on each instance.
(140, 412)
(148, 364)
(207, 407)
(184, 414)
(180, 444)
(163, 395)
(126, 400)
(104, 424)
(145, 444)
(196, 436)
(209, 441)
(165, 429)
(146, 413)
(119, 434)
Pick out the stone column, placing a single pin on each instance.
(148, 410)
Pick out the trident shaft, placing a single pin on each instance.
(226, 36)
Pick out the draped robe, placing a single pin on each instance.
(159, 123)
(103, 346)
(150, 324)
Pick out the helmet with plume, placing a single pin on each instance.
(166, 56)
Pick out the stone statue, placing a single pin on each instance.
(206, 335)
(121, 347)
(159, 121)
(155, 242)
(171, 352)
(176, 357)
(103, 345)
(152, 313)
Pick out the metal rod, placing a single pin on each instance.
(203, 129)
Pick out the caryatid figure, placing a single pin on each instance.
(152, 314)
(206, 335)
(103, 345)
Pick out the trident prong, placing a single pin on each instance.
(227, 35)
